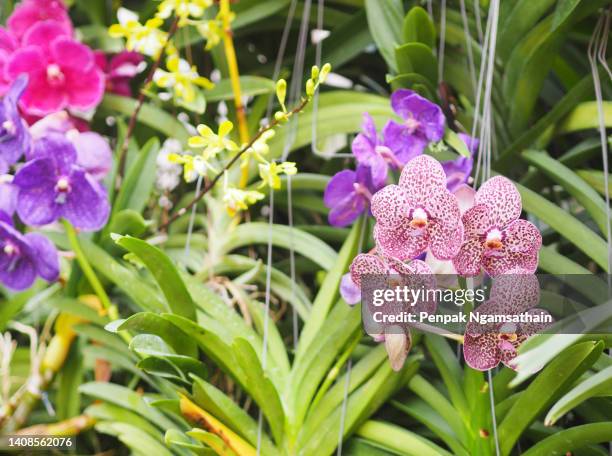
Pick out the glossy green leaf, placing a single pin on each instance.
(419, 28)
(549, 385)
(599, 384)
(417, 58)
(585, 116)
(178, 298)
(249, 86)
(456, 143)
(567, 440)
(385, 19)
(149, 115)
(134, 438)
(596, 179)
(282, 236)
(572, 183)
(400, 439)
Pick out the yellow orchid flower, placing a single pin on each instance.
(259, 148)
(193, 166)
(145, 38)
(236, 200)
(182, 78)
(184, 9)
(270, 173)
(213, 143)
(212, 30)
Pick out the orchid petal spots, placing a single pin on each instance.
(522, 236)
(468, 260)
(502, 198)
(476, 221)
(444, 241)
(496, 265)
(421, 176)
(364, 264)
(403, 242)
(390, 206)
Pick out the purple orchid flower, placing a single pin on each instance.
(8, 195)
(348, 195)
(418, 214)
(93, 151)
(23, 257)
(371, 151)
(14, 135)
(53, 185)
(458, 171)
(495, 238)
(423, 123)
(486, 345)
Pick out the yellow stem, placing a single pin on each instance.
(232, 64)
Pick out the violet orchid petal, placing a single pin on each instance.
(44, 256)
(349, 290)
(93, 153)
(36, 202)
(86, 205)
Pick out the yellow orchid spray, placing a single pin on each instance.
(182, 78)
(183, 9)
(147, 38)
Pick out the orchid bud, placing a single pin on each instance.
(314, 74)
(281, 92)
(324, 72)
(310, 88)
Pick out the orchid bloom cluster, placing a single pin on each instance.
(209, 145)
(180, 78)
(431, 213)
(60, 179)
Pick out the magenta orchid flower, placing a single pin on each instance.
(458, 171)
(370, 150)
(64, 77)
(53, 185)
(120, 70)
(397, 339)
(348, 195)
(418, 214)
(423, 124)
(495, 238)
(30, 12)
(14, 135)
(24, 257)
(486, 345)
(7, 47)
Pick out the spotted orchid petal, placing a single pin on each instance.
(469, 259)
(445, 241)
(502, 198)
(390, 206)
(403, 242)
(422, 176)
(364, 264)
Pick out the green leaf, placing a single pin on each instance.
(329, 292)
(282, 236)
(79, 309)
(450, 370)
(126, 222)
(260, 387)
(567, 440)
(249, 86)
(419, 28)
(585, 116)
(400, 439)
(127, 399)
(68, 400)
(412, 81)
(456, 143)
(136, 188)
(385, 22)
(417, 58)
(250, 11)
(549, 385)
(215, 442)
(163, 269)
(104, 411)
(150, 323)
(149, 115)
(596, 179)
(599, 384)
(573, 184)
(134, 438)
(225, 409)
(566, 225)
(177, 438)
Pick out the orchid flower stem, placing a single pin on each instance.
(333, 373)
(139, 103)
(232, 64)
(210, 184)
(92, 278)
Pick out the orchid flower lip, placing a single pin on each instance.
(412, 124)
(494, 239)
(10, 249)
(418, 218)
(9, 127)
(54, 74)
(362, 190)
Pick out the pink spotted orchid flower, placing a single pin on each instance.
(388, 272)
(486, 345)
(495, 238)
(418, 214)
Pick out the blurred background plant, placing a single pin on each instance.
(205, 315)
